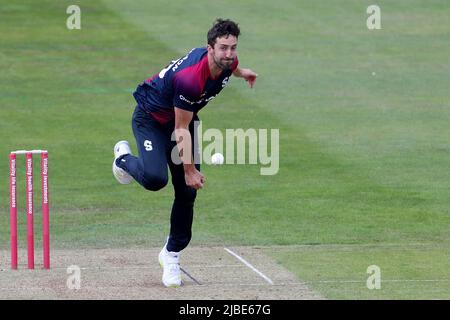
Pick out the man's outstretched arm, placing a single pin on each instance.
(247, 74)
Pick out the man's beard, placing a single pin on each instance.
(224, 64)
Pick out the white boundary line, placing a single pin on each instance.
(250, 266)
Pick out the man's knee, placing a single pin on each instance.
(154, 182)
(186, 195)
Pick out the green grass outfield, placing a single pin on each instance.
(363, 116)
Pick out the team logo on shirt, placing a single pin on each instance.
(225, 81)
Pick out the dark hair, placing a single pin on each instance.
(222, 28)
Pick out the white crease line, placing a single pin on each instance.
(112, 268)
(250, 266)
(383, 280)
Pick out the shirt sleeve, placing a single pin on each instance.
(187, 92)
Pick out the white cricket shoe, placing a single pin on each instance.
(121, 148)
(170, 261)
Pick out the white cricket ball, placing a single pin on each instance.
(217, 158)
